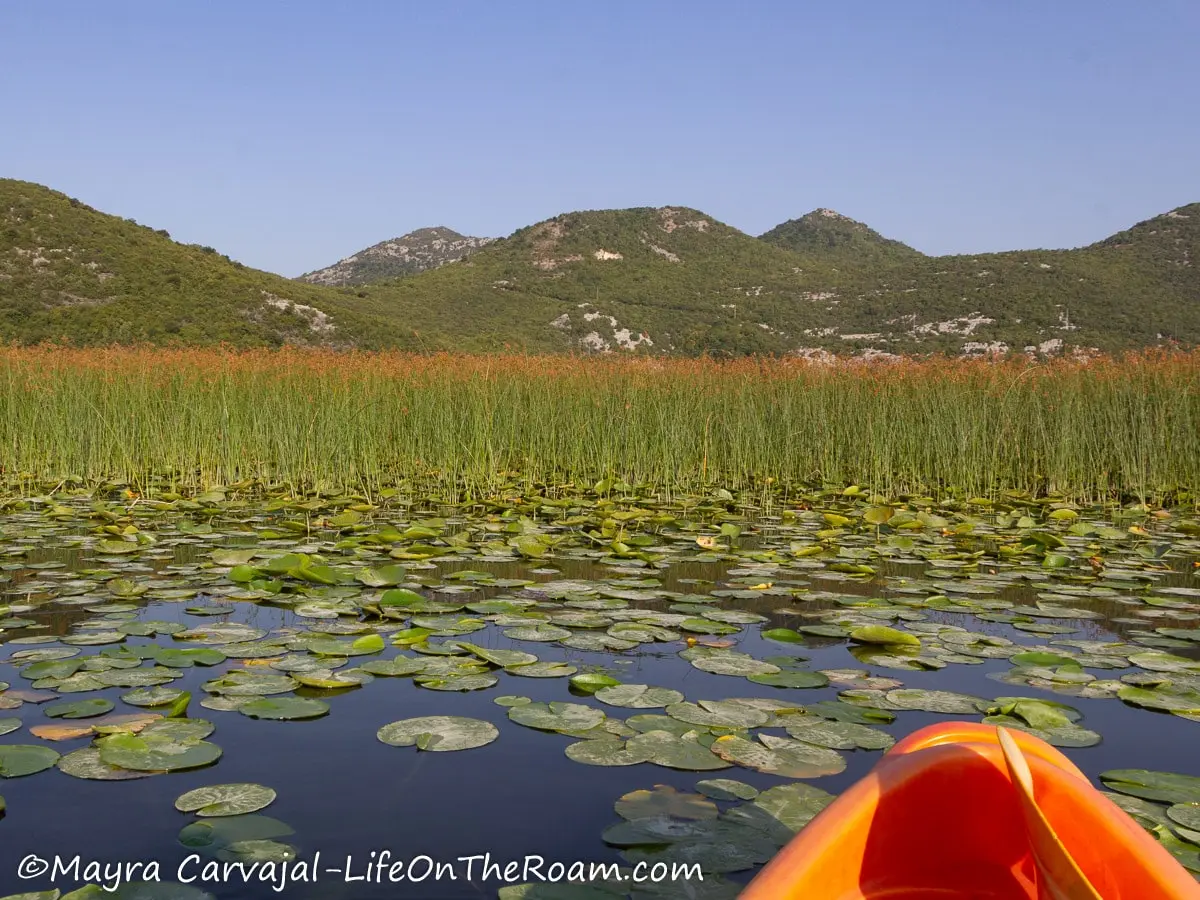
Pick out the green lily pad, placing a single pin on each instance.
(674, 751)
(605, 752)
(783, 635)
(176, 658)
(780, 756)
(638, 696)
(556, 716)
(284, 708)
(1186, 815)
(664, 800)
(399, 666)
(718, 713)
(213, 834)
(840, 711)
(79, 709)
(8, 726)
(261, 851)
(439, 733)
(795, 680)
(881, 634)
(226, 800)
(1163, 699)
(541, 633)
(87, 764)
(155, 753)
(793, 805)
(726, 789)
(590, 682)
(733, 663)
(1069, 735)
(543, 669)
(503, 658)
(936, 701)
(456, 682)
(19, 760)
(1169, 787)
(1035, 712)
(244, 683)
(152, 697)
(837, 735)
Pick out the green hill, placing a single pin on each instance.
(68, 272)
(669, 280)
(831, 235)
(676, 280)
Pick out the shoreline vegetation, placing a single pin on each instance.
(455, 427)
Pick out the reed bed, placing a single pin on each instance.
(1102, 428)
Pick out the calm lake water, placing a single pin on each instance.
(346, 794)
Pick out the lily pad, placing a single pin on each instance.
(591, 682)
(87, 764)
(79, 709)
(285, 708)
(556, 716)
(399, 666)
(439, 733)
(719, 713)
(543, 669)
(794, 680)
(1169, 787)
(837, 735)
(794, 805)
(726, 789)
(674, 751)
(664, 800)
(19, 760)
(638, 696)
(734, 663)
(226, 800)
(537, 633)
(780, 756)
(456, 682)
(503, 658)
(214, 834)
(606, 752)
(152, 697)
(147, 752)
(881, 634)
(936, 701)
(1185, 814)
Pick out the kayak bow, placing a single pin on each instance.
(973, 811)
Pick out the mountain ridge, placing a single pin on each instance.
(411, 253)
(656, 280)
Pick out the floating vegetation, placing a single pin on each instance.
(731, 666)
(226, 800)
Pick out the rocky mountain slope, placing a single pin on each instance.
(647, 280)
(417, 251)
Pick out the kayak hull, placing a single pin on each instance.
(940, 816)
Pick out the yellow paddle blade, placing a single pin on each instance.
(1059, 877)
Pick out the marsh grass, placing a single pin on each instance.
(1126, 426)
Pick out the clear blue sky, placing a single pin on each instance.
(290, 134)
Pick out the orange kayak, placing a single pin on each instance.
(968, 810)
